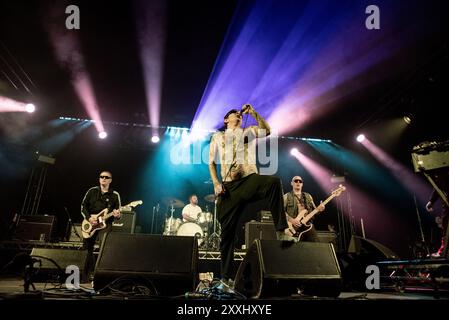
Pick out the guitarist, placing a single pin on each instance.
(296, 201)
(95, 200)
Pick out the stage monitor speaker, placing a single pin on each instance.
(52, 263)
(167, 265)
(126, 224)
(258, 230)
(35, 227)
(361, 253)
(375, 250)
(274, 268)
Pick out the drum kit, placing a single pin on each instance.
(205, 229)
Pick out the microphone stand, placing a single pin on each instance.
(215, 237)
(423, 239)
(170, 232)
(155, 211)
(152, 220)
(70, 225)
(13, 226)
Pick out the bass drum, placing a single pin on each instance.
(191, 229)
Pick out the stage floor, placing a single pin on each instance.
(12, 288)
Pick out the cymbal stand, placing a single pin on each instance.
(214, 238)
(169, 231)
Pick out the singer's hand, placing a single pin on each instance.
(247, 108)
(218, 189)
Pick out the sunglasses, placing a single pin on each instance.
(105, 177)
(297, 180)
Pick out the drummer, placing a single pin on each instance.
(192, 211)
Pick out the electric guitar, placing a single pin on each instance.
(304, 217)
(88, 229)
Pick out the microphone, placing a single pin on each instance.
(157, 207)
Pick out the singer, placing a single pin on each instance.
(235, 151)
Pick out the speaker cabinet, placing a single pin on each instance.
(361, 253)
(35, 227)
(371, 248)
(259, 230)
(126, 224)
(164, 264)
(274, 268)
(52, 263)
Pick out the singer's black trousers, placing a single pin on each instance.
(230, 206)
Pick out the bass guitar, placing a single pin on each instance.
(304, 217)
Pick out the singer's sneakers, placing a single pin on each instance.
(226, 286)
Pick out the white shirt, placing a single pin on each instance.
(192, 211)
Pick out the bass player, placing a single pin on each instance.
(295, 202)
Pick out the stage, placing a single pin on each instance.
(422, 279)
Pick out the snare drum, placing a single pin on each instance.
(171, 225)
(204, 220)
(204, 217)
(191, 229)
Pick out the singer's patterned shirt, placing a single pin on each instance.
(235, 151)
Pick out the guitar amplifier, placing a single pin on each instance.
(126, 224)
(35, 227)
(264, 216)
(255, 230)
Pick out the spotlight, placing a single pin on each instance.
(407, 119)
(360, 137)
(102, 135)
(294, 151)
(30, 108)
(155, 139)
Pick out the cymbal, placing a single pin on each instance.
(210, 198)
(176, 203)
